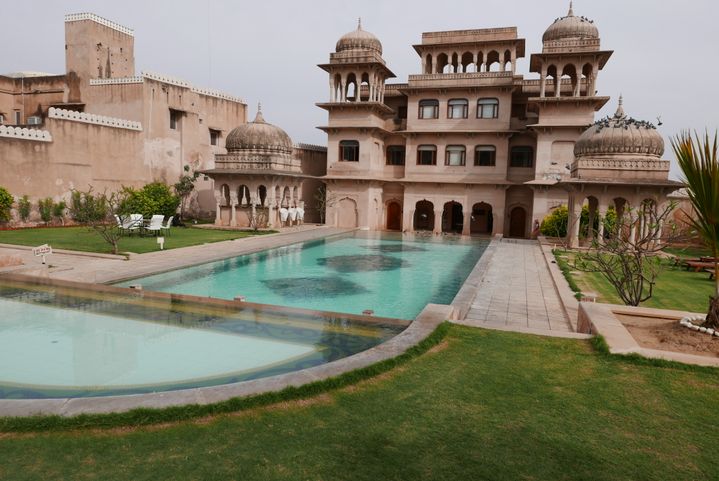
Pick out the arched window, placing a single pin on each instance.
(522, 156)
(485, 156)
(455, 155)
(349, 151)
(429, 109)
(262, 194)
(427, 155)
(487, 108)
(457, 109)
(395, 155)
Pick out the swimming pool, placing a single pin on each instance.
(60, 339)
(394, 275)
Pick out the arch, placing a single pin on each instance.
(467, 60)
(394, 215)
(262, 194)
(482, 220)
(364, 89)
(492, 64)
(285, 197)
(295, 196)
(507, 60)
(442, 62)
(337, 94)
(351, 88)
(243, 195)
(278, 195)
(588, 77)
(424, 215)
(428, 64)
(552, 72)
(569, 72)
(225, 193)
(347, 213)
(452, 217)
(518, 222)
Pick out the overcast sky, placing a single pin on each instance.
(665, 52)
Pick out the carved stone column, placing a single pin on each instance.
(218, 207)
(233, 210)
(438, 221)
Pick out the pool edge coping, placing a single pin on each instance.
(424, 324)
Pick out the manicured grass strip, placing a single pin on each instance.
(87, 240)
(561, 259)
(482, 405)
(144, 416)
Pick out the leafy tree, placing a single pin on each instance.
(45, 207)
(6, 202)
(24, 207)
(58, 211)
(698, 161)
(184, 187)
(556, 222)
(153, 199)
(98, 211)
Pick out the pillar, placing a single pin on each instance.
(218, 207)
(233, 210)
(578, 77)
(513, 58)
(592, 215)
(600, 228)
(333, 89)
(408, 221)
(437, 222)
(467, 222)
(558, 82)
(543, 82)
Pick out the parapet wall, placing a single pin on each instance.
(23, 133)
(76, 17)
(62, 114)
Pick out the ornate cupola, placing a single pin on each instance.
(620, 147)
(357, 70)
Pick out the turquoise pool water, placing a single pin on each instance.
(60, 341)
(394, 275)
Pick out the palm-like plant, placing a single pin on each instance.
(698, 160)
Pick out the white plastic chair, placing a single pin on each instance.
(300, 215)
(166, 226)
(284, 214)
(155, 225)
(134, 223)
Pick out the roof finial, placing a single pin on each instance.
(620, 109)
(359, 23)
(571, 10)
(259, 119)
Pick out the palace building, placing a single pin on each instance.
(471, 146)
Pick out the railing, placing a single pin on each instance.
(22, 133)
(62, 114)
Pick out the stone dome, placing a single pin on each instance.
(358, 40)
(620, 135)
(571, 27)
(259, 135)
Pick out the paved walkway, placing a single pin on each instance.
(517, 292)
(85, 268)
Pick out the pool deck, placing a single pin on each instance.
(515, 291)
(84, 267)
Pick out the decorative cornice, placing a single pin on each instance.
(62, 114)
(22, 133)
(76, 17)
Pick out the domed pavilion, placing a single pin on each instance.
(617, 162)
(260, 179)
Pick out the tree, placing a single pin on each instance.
(628, 258)
(24, 207)
(323, 201)
(153, 199)
(6, 202)
(185, 186)
(698, 161)
(45, 207)
(98, 211)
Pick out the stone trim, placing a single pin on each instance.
(62, 114)
(76, 17)
(318, 148)
(23, 133)
(137, 79)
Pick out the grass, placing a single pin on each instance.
(676, 288)
(689, 251)
(478, 405)
(85, 239)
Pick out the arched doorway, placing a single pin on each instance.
(347, 213)
(518, 222)
(482, 221)
(452, 218)
(424, 215)
(394, 216)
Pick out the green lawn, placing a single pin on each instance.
(689, 251)
(84, 239)
(676, 288)
(482, 405)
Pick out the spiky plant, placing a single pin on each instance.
(698, 160)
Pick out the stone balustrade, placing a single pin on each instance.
(117, 81)
(62, 114)
(76, 17)
(22, 133)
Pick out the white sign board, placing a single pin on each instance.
(42, 250)
(161, 241)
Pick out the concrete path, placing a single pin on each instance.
(84, 268)
(517, 293)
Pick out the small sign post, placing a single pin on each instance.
(43, 251)
(161, 241)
